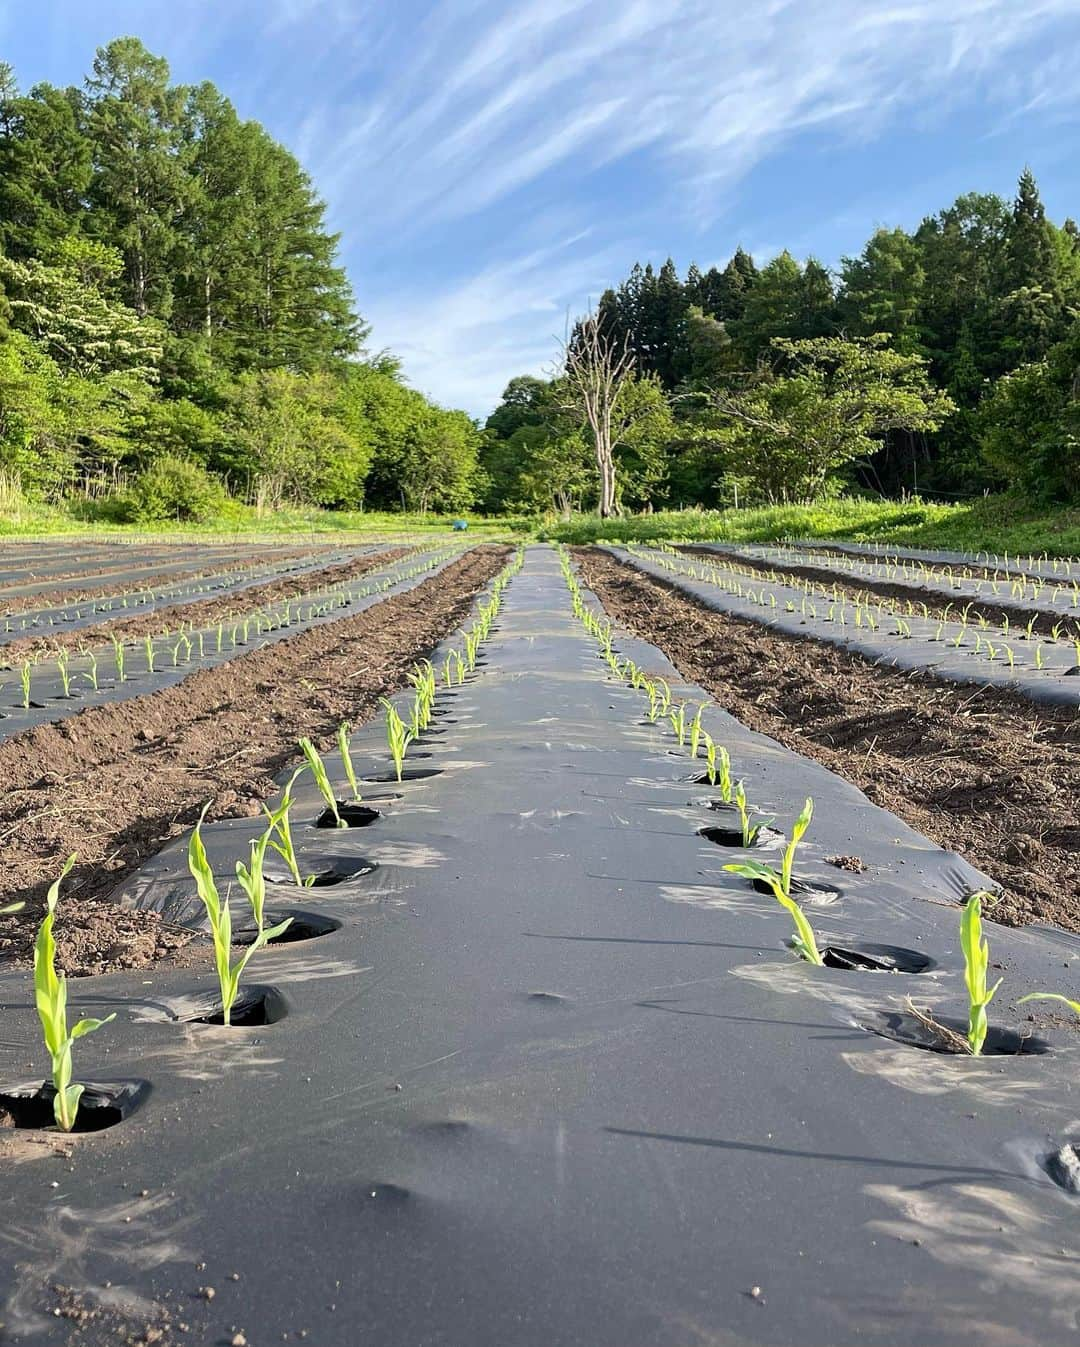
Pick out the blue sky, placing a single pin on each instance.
(493, 166)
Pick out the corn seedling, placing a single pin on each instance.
(1074, 1006)
(749, 831)
(696, 731)
(91, 673)
(397, 735)
(251, 878)
(24, 675)
(62, 670)
(346, 759)
(220, 919)
(804, 940)
(280, 828)
(678, 723)
(50, 998)
(118, 659)
(472, 640)
(719, 767)
(318, 771)
(976, 960)
(148, 646)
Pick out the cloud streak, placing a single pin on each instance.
(465, 145)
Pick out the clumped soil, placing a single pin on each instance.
(864, 588)
(115, 783)
(981, 772)
(199, 613)
(11, 604)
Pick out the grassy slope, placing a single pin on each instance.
(996, 524)
(245, 522)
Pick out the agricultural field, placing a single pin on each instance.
(429, 940)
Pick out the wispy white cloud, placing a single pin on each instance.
(447, 135)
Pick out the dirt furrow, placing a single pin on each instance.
(979, 771)
(200, 612)
(115, 783)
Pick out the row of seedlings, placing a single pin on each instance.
(782, 884)
(50, 987)
(872, 615)
(207, 582)
(185, 645)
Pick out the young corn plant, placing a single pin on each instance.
(252, 879)
(1074, 1006)
(976, 961)
(148, 647)
(696, 731)
(91, 673)
(318, 771)
(678, 723)
(50, 998)
(220, 919)
(397, 735)
(62, 670)
(118, 659)
(24, 677)
(718, 765)
(804, 940)
(750, 831)
(344, 749)
(280, 829)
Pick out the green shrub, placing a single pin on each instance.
(173, 488)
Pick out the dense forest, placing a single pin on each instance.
(944, 360)
(173, 320)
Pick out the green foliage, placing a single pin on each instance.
(173, 488)
(318, 771)
(834, 399)
(50, 998)
(169, 290)
(804, 941)
(976, 961)
(220, 921)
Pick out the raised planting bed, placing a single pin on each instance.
(1043, 670)
(124, 666)
(557, 1077)
(116, 782)
(1012, 610)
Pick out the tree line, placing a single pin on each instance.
(944, 359)
(173, 316)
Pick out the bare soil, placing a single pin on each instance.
(200, 612)
(984, 773)
(1043, 621)
(115, 783)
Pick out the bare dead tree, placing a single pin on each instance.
(595, 370)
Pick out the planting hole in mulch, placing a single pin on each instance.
(732, 837)
(103, 1104)
(303, 926)
(817, 895)
(876, 959)
(352, 814)
(1063, 1166)
(913, 1033)
(415, 774)
(340, 870)
(256, 1005)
